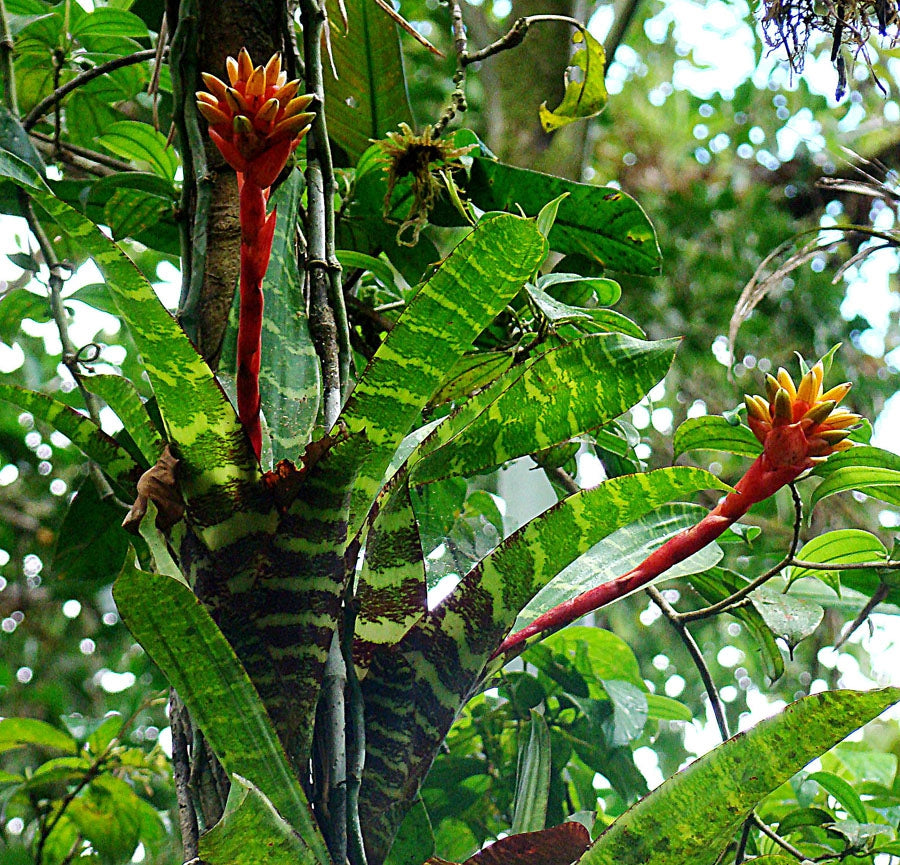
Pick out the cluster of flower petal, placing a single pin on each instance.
(257, 119)
(800, 423)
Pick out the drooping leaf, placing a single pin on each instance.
(166, 618)
(108, 814)
(839, 547)
(602, 223)
(842, 791)
(441, 322)
(679, 823)
(718, 584)
(84, 433)
(558, 395)
(18, 304)
(789, 617)
(532, 779)
(368, 98)
(714, 433)
(618, 553)
(14, 138)
(582, 98)
(252, 832)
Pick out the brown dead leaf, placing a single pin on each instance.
(157, 484)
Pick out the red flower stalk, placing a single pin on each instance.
(256, 123)
(797, 427)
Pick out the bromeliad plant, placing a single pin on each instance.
(289, 609)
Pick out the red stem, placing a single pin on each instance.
(256, 245)
(760, 481)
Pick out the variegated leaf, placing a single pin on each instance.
(469, 289)
(95, 444)
(434, 669)
(170, 623)
(122, 397)
(560, 394)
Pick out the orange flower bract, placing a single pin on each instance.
(257, 119)
(802, 423)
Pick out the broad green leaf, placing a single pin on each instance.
(840, 547)
(630, 712)
(166, 618)
(368, 98)
(104, 21)
(718, 584)
(862, 456)
(585, 97)
(415, 838)
(217, 460)
(91, 545)
(618, 553)
(789, 617)
(532, 779)
(123, 398)
(59, 770)
(110, 727)
(679, 823)
(602, 223)
(558, 395)
(597, 653)
(108, 814)
(714, 433)
(350, 260)
(252, 832)
(879, 483)
(83, 432)
(17, 732)
(141, 143)
(846, 796)
(472, 285)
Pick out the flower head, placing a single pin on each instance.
(257, 119)
(800, 425)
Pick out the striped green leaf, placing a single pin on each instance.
(469, 289)
(289, 376)
(879, 483)
(84, 433)
(679, 823)
(417, 687)
(391, 590)
(123, 398)
(714, 433)
(166, 618)
(217, 461)
(619, 552)
(556, 396)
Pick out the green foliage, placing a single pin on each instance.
(467, 352)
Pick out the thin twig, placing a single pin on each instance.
(622, 22)
(677, 621)
(88, 75)
(769, 833)
(887, 565)
(735, 599)
(742, 843)
(84, 153)
(7, 69)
